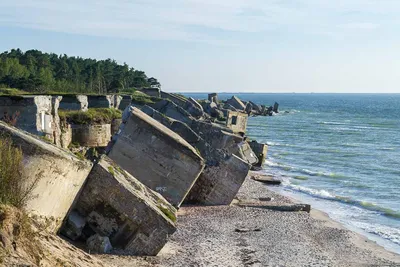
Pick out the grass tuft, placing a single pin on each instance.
(92, 116)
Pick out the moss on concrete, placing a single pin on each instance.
(92, 116)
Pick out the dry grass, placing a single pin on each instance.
(13, 189)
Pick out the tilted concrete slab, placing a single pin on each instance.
(114, 204)
(156, 156)
(172, 110)
(218, 185)
(236, 102)
(57, 174)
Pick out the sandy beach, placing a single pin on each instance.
(249, 236)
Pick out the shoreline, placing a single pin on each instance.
(298, 197)
(249, 236)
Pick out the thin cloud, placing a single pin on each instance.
(171, 20)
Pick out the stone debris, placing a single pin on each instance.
(266, 179)
(98, 244)
(172, 164)
(74, 225)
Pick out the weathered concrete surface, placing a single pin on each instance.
(116, 205)
(125, 101)
(260, 150)
(156, 156)
(237, 121)
(177, 99)
(218, 185)
(213, 97)
(35, 113)
(236, 103)
(194, 108)
(74, 102)
(56, 125)
(100, 101)
(91, 135)
(56, 173)
(155, 92)
(245, 152)
(115, 126)
(174, 111)
(66, 135)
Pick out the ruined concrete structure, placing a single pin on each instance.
(213, 97)
(174, 111)
(236, 103)
(57, 175)
(155, 92)
(177, 99)
(237, 122)
(172, 164)
(116, 206)
(218, 185)
(34, 113)
(260, 150)
(91, 135)
(125, 102)
(104, 101)
(74, 102)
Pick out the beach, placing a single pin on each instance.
(248, 236)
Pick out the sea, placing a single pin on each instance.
(338, 152)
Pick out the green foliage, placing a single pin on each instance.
(143, 99)
(11, 91)
(92, 116)
(13, 190)
(37, 72)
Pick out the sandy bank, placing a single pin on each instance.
(208, 236)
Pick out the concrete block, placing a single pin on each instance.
(100, 101)
(58, 175)
(91, 135)
(170, 109)
(175, 98)
(35, 113)
(125, 102)
(156, 156)
(194, 108)
(260, 150)
(74, 102)
(245, 152)
(99, 244)
(218, 185)
(137, 220)
(213, 97)
(237, 122)
(155, 92)
(236, 103)
(74, 225)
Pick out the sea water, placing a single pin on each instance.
(338, 152)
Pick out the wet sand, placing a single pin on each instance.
(249, 236)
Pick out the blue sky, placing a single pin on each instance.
(223, 45)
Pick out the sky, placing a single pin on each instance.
(340, 46)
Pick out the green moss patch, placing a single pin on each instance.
(92, 116)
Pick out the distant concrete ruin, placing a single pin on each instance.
(116, 206)
(74, 102)
(171, 164)
(236, 103)
(34, 113)
(57, 175)
(237, 122)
